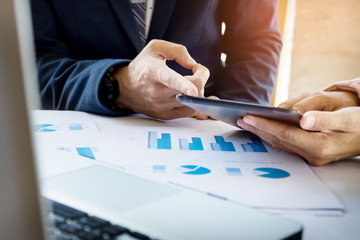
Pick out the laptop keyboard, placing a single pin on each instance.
(72, 224)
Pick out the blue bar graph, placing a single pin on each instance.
(222, 145)
(233, 171)
(195, 145)
(85, 152)
(75, 126)
(159, 143)
(159, 169)
(152, 140)
(255, 146)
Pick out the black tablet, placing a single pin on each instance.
(230, 111)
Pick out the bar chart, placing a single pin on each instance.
(76, 126)
(255, 146)
(171, 141)
(222, 145)
(159, 169)
(195, 145)
(233, 171)
(164, 142)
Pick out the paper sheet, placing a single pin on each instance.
(218, 159)
(207, 156)
(69, 131)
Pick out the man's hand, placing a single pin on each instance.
(322, 101)
(203, 116)
(331, 136)
(148, 86)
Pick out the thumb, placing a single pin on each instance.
(320, 120)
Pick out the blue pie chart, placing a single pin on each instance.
(270, 172)
(194, 170)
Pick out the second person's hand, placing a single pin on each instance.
(323, 137)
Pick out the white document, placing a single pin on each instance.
(69, 131)
(62, 122)
(207, 156)
(218, 159)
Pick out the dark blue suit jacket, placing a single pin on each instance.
(78, 40)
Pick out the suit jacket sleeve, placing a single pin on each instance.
(66, 82)
(252, 43)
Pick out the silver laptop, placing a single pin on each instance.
(89, 200)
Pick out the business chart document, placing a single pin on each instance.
(207, 156)
(219, 159)
(69, 131)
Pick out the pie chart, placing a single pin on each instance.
(270, 173)
(44, 128)
(194, 170)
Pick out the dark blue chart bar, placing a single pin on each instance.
(159, 143)
(221, 145)
(255, 146)
(195, 145)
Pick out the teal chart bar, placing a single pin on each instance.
(255, 146)
(222, 145)
(159, 143)
(159, 169)
(85, 152)
(195, 145)
(233, 171)
(75, 126)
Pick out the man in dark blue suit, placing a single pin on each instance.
(90, 56)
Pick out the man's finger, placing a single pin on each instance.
(201, 116)
(291, 102)
(173, 51)
(282, 133)
(274, 140)
(308, 104)
(342, 120)
(175, 81)
(201, 73)
(180, 112)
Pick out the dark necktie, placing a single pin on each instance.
(139, 14)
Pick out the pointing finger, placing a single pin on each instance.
(175, 81)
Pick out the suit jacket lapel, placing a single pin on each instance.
(123, 11)
(161, 16)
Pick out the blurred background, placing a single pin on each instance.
(321, 45)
